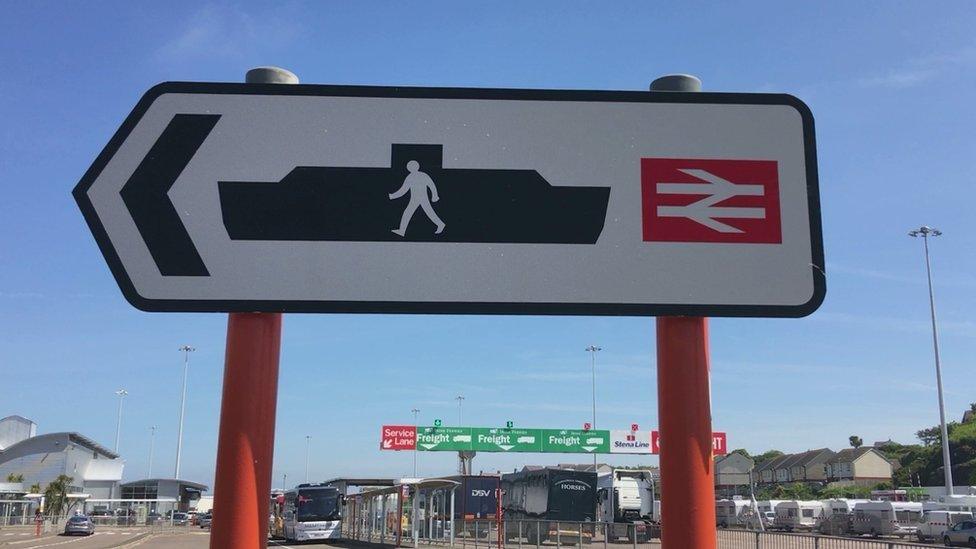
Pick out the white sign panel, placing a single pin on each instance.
(630, 442)
(244, 197)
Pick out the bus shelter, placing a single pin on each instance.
(418, 510)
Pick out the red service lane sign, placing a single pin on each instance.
(719, 443)
(398, 437)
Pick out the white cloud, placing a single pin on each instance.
(964, 328)
(223, 31)
(920, 69)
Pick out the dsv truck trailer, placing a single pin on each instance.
(625, 500)
(477, 503)
(548, 503)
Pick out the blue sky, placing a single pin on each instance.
(890, 85)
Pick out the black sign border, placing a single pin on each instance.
(455, 307)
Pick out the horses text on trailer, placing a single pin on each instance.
(625, 497)
(546, 503)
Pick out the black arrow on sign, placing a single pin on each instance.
(145, 194)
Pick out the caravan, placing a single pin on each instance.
(732, 513)
(836, 517)
(797, 515)
(887, 518)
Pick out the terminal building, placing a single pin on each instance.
(159, 492)
(95, 470)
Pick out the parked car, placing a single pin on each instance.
(79, 524)
(179, 519)
(205, 520)
(934, 523)
(963, 534)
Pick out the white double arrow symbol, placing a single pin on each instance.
(704, 211)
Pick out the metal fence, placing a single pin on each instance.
(744, 539)
(540, 534)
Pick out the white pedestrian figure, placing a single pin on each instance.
(417, 183)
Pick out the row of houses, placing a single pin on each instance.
(864, 466)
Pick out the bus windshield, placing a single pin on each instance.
(317, 505)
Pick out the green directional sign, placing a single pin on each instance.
(502, 439)
(437, 423)
(576, 441)
(444, 439)
(487, 439)
(509, 424)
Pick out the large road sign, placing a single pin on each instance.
(498, 439)
(245, 197)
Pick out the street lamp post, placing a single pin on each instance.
(152, 445)
(592, 349)
(415, 411)
(284, 482)
(925, 232)
(461, 467)
(308, 439)
(179, 437)
(118, 424)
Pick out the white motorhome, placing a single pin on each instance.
(962, 503)
(934, 523)
(625, 500)
(887, 518)
(732, 513)
(797, 515)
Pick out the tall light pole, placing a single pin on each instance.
(179, 437)
(925, 232)
(152, 444)
(284, 482)
(592, 349)
(118, 425)
(461, 467)
(308, 439)
(415, 411)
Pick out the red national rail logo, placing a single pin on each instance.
(718, 201)
(398, 437)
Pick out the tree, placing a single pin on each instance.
(742, 451)
(855, 441)
(929, 436)
(56, 495)
(766, 456)
(15, 478)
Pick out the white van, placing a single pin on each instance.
(933, 523)
(797, 515)
(887, 518)
(731, 513)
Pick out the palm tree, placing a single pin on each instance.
(15, 478)
(56, 495)
(35, 488)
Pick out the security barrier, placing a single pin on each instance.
(539, 534)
